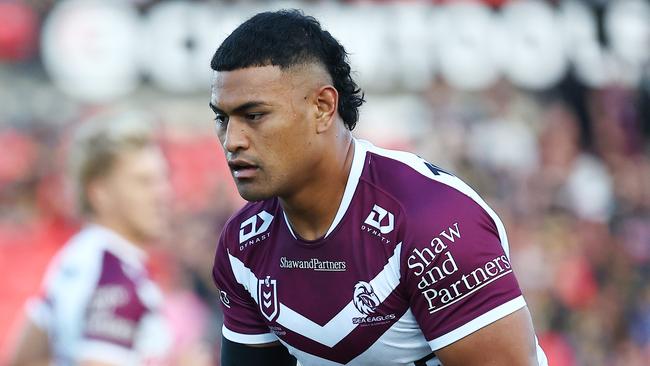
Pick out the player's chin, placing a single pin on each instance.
(251, 193)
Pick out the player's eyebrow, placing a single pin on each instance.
(214, 108)
(241, 108)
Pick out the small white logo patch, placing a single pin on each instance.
(267, 294)
(376, 219)
(224, 299)
(246, 233)
(365, 299)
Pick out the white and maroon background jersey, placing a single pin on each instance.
(413, 261)
(97, 302)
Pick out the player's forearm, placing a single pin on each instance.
(32, 348)
(43, 362)
(23, 358)
(237, 354)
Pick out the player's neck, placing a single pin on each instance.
(119, 228)
(312, 210)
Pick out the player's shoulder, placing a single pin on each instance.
(415, 182)
(253, 219)
(118, 269)
(90, 260)
(432, 198)
(80, 255)
(92, 243)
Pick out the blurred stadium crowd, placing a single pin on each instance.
(566, 166)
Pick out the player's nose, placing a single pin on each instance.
(236, 137)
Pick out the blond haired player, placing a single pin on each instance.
(97, 305)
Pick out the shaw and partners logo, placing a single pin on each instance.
(366, 301)
(379, 223)
(313, 264)
(440, 279)
(267, 294)
(252, 231)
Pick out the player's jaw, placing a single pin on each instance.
(249, 178)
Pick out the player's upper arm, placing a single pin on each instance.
(95, 363)
(243, 322)
(267, 354)
(32, 348)
(510, 341)
(461, 284)
(457, 272)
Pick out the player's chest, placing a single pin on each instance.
(340, 284)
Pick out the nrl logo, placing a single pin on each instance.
(267, 294)
(365, 299)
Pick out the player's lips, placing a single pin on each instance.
(242, 169)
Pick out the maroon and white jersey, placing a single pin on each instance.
(413, 261)
(98, 303)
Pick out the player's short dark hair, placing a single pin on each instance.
(288, 38)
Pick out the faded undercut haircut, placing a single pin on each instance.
(288, 38)
(96, 145)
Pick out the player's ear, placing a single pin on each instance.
(327, 101)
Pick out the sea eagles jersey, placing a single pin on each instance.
(413, 261)
(97, 302)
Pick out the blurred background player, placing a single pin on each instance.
(98, 305)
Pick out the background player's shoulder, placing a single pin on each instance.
(80, 255)
(75, 269)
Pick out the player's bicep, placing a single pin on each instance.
(32, 347)
(458, 274)
(243, 322)
(510, 341)
(268, 354)
(95, 363)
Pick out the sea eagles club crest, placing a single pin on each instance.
(365, 299)
(267, 293)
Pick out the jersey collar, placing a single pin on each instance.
(119, 245)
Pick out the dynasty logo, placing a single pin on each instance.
(253, 231)
(379, 223)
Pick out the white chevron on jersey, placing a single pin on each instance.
(339, 326)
